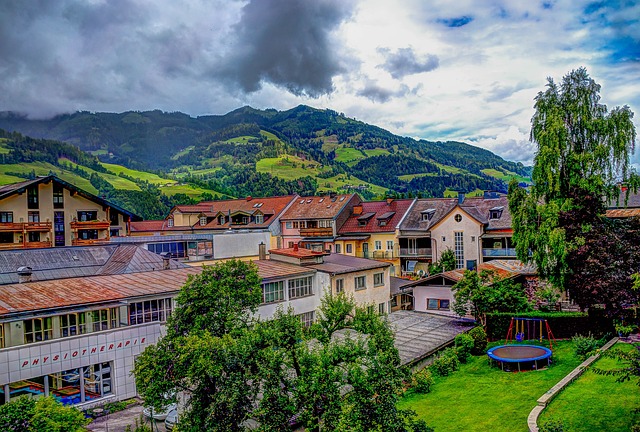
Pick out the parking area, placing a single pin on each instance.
(118, 422)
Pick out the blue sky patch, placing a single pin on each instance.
(456, 22)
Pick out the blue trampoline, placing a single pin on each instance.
(520, 357)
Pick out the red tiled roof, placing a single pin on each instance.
(297, 252)
(271, 207)
(391, 212)
(316, 207)
(272, 269)
(149, 225)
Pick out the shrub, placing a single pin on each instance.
(479, 337)
(422, 381)
(464, 346)
(552, 426)
(584, 345)
(446, 363)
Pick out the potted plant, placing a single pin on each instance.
(624, 330)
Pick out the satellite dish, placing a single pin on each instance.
(420, 273)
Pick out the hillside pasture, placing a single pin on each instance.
(289, 167)
(115, 181)
(349, 155)
(44, 169)
(505, 175)
(140, 175)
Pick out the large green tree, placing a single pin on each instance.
(236, 370)
(583, 149)
(45, 414)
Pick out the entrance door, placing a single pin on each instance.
(365, 250)
(412, 246)
(58, 228)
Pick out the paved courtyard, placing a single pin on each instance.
(418, 334)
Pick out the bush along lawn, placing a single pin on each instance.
(480, 397)
(596, 402)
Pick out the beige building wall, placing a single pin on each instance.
(371, 295)
(443, 235)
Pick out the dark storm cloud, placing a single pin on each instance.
(405, 62)
(289, 44)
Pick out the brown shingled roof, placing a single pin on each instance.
(316, 207)
(391, 212)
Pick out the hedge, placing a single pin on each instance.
(564, 325)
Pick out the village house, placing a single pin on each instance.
(49, 212)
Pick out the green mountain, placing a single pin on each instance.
(248, 152)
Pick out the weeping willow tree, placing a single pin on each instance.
(583, 152)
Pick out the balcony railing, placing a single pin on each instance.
(25, 226)
(499, 252)
(378, 254)
(27, 245)
(316, 232)
(81, 242)
(90, 225)
(416, 252)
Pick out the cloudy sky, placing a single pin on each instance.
(463, 70)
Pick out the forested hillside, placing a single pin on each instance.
(245, 152)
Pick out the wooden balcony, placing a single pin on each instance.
(80, 242)
(26, 245)
(316, 232)
(90, 225)
(25, 226)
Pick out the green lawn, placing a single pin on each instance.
(115, 181)
(348, 155)
(141, 175)
(479, 397)
(43, 169)
(448, 193)
(182, 152)
(595, 402)
(505, 175)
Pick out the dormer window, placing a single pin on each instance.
(495, 212)
(259, 219)
(203, 220)
(427, 214)
(169, 223)
(221, 220)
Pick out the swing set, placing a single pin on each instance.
(524, 329)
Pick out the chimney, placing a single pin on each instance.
(295, 247)
(166, 260)
(460, 197)
(262, 251)
(249, 198)
(389, 201)
(357, 210)
(24, 274)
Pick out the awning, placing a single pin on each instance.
(353, 238)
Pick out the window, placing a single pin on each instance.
(272, 292)
(349, 248)
(438, 304)
(104, 318)
(73, 324)
(32, 197)
(1, 335)
(495, 212)
(339, 285)
(300, 287)
(34, 237)
(473, 238)
(381, 308)
(88, 234)
(85, 216)
(378, 279)
(175, 249)
(459, 249)
(338, 248)
(170, 222)
(6, 217)
(149, 311)
(458, 218)
(382, 222)
(296, 225)
(37, 329)
(288, 225)
(427, 214)
(34, 217)
(370, 309)
(113, 218)
(378, 244)
(389, 244)
(290, 245)
(323, 223)
(360, 282)
(58, 196)
(203, 220)
(259, 219)
(307, 318)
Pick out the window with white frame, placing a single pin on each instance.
(378, 279)
(360, 282)
(259, 218)
(296, 225)
(381, 308)
(38, 329)
(33, 217)
(73, 324)
(6, 217)
(307, 318)
(272, 292)
(300, 287)
(339, 285)
(105, 319)
(389, 244)
(338, 248)
(149, 311)
(203, 220)
(170, 222)
(459, 249)
(349, 248)
(377, 244)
